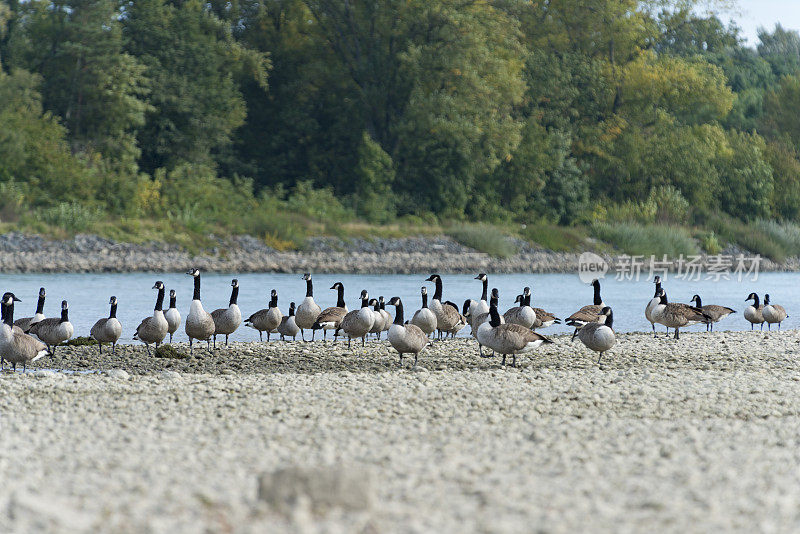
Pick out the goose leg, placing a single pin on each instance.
(114, 346)
(504, 360)
(208, 342)
(677, 334)
(600, 358)
(654, 330)
(215, 341)
(147, 345)
(260, 335)
(226, 340)
(302, 334)
(349, 339)
(191, 349)
(170, 338)
(363, 341)
(415, 359)
(100, 346)
(401, 359)
(514, 360)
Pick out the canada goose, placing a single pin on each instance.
(153, 329)
(773, 313)
(753, 313)
(478, 307)
(424, 317)
(172, 315)
(598, 336)
(447, 317)
(331, 318)
(460, 323)
(405, 338)
(109, 329)
(676, 315)
(54, 330)
(358, 323)
(523, 314)
(508, 338)
(377, 323)
(308, 311)
(288, 326)
(483, 318)
(268, 319)
(714, 311)
(26, 322)
(199, 324)
(589, 313)
(387, 317)
(655, 301)
(227, 320)
(543, 318)
(15, 345)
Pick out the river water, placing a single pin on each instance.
(561, 294)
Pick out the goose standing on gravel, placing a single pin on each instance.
(424, 318)
(589, 313)
(377, 324)
(172, 315)
(478, 307)
(508, 339)
(358, 323)
(773, 313)
(154, 329)
(199, 323)
(523, 314)
(227, 320)
(406, 338)
(483, 318)
(331, 318)
(109, 329)
(308, 311)
(677, 315)
(447, 314)
(387, 317)
(26, 322)
(753, 313)
(268, 319)
(54, 330)
(15, 345)
(288, 326)
(598, 336)
(714, 312)
(655, 301)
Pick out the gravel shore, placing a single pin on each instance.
(699, 434)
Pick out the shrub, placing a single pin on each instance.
(70, 216)
(484, 238)
(787, 235)
(646, 240)
(554, 237)
(747, 236)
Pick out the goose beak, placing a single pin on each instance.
(15, 299)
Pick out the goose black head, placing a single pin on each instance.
(481, 277)
(364, 295)
(234, 283)
(172, 293)
(751, 296)
(518, 299)
(307, 276)
(766, 299)
(291, 308)
(42, 293)
(158, 285)
(380, 299)
(495, 293)
(657, 280)
(337, 285)
(112, 300)
(10, 298)
(433, 278)
(526, 291)
(424, 290)
(595, 283)
(273, 293)
(465, 309)
(194, 272)
(394, 301)
(64, 305)
(695, 298)
(373, 302)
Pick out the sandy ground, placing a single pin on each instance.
(696, 435)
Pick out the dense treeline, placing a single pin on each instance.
(507, 110)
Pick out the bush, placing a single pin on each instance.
(647, 240)
(72, 217)
(747, 236)
(554, 237)
(787, 235)
(484, 238)
(710, 243)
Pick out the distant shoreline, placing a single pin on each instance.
(21, 253)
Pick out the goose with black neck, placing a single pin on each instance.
(154, 329)
(308, 311)
(227, 320)
(15, 345)
(405, 338)
(199, 323)
(108, 329)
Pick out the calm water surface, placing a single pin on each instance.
(561, 294)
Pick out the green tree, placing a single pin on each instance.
(375, 177)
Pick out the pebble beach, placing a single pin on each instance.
(695, 435)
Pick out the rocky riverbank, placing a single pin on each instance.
(87, 253)
(693, 435)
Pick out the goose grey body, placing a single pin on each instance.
(754, 312)
(227, 320)
(358, 323)
(405, 338)
(154, 329)
(15, 345)
(523, 314)
(308, 311)
(108, 329)
(424, 318)
(377, 323)
(713, 311)
(483, 318)
(268, 319)
(598, 336)
(288, 326)
(447, 315)
(54, 330)
(331, 318)
(387, 317)
(589, 313)
(26, 322)
(677, 315)
(172, 315)
(199, 323)
(508, 339)
(773, 313)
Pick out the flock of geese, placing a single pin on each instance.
(514, 332)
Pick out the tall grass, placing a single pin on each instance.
(787, 235)
(751, 237)
(70, 216)
(647, 239)
(483, 238)
(554, 237)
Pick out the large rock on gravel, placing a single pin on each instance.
(322, 489)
